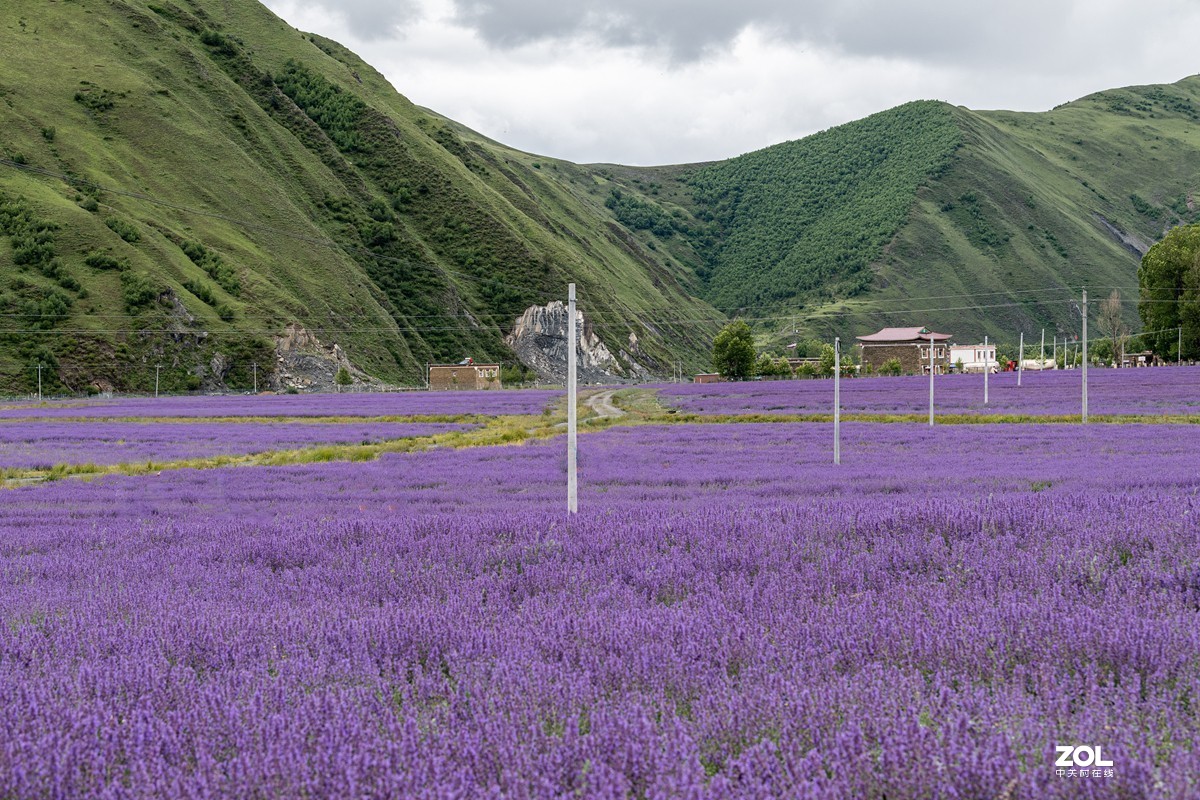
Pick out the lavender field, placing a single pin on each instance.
(1159, 391)
(39, 444)
(728, 616)
(380, 404)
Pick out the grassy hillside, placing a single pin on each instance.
(194, 176)
(180, 181)
(997, 218)
(807, 218)
(1039, 205)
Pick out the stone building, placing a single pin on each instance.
(909, 346)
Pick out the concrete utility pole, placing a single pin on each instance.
(1179, 349)
(1021, 358)
(254, 368)
(157, 367)
(837, 400)
(1085, 357)
(39, 381)
(1056, 351)
(1042, 352)
(987, 367)
(572, 413)
(931, 380)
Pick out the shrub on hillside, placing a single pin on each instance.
(123, 229)
(137, 290)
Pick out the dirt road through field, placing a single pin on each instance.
(602, 405)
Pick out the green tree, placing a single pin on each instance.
(343, 378)
(1169, 293)
(733, 351)
(769, 366)
(764, 366)
(827, 359)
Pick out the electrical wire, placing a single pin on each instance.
(651, 316)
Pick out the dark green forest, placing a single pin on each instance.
(804, 220)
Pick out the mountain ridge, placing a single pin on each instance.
(293, 185)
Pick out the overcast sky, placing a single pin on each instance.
(679, 81)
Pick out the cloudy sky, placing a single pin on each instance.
(678, 81)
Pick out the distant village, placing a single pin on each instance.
(906, 351)
(889, 351)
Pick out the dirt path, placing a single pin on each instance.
(599, 405)
(602, 405)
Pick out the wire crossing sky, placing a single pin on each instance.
(661, 82)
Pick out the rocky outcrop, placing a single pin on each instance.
(1127, 240)
(539, 340)
(303, 363)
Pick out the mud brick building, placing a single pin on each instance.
(464, 375)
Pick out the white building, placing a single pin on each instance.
(973, 357)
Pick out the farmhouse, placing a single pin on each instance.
(707, 377)
(466, 374)
(909, 346)
(974, 357)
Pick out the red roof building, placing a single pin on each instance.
(907, 335)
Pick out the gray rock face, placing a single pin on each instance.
(303, 363)
(540, 341)
(1130, 242)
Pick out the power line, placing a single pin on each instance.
(647, 316)
(345, 248)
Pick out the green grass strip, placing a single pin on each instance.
(507, 430)
(641, 407)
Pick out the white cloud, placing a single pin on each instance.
(649, 82)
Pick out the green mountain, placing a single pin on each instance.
(972, 222)
(182, 181)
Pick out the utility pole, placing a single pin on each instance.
(157, 367)
(572, 412)
(1085, 358)
(931, 380)
(1056, 351)
(837, 400)
(254, 367)
(39, 381)
(987, 367)
(1042, 352)
(1179, 349)
(1021, 358)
